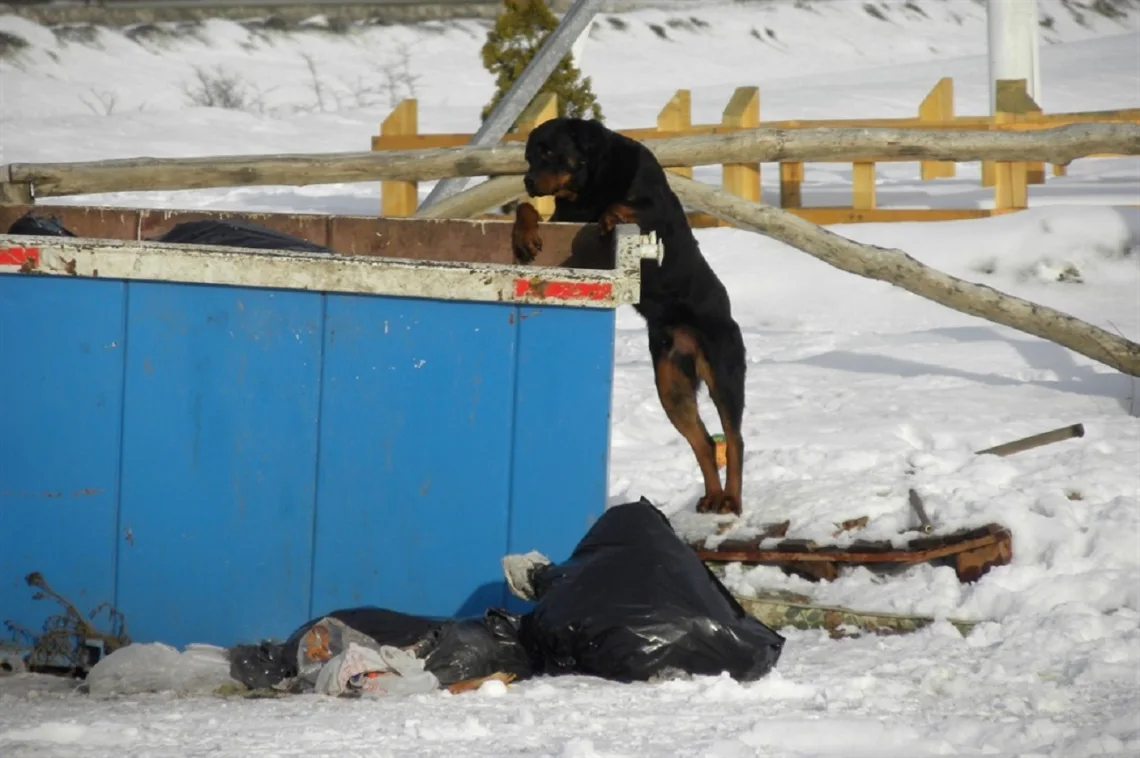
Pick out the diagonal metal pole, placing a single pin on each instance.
(554, 48)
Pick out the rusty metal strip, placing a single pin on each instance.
(399, 277)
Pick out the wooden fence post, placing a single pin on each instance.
(791, 181)
(543, 108)
(1011, 191)
(938, 105)
(863, 185)
(1013, 100)
(677, 116)
(399, 198)
(743, 111)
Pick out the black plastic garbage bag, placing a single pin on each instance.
(452, 650)
(634, 603)
(475, 648)
(236, 233)
(227, 233)
(261, 666)
(42, 226)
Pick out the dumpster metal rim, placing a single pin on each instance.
(292, 270)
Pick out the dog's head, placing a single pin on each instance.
(561, 156)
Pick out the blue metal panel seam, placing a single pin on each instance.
(118, 537)
(516, 313)
(317, 457)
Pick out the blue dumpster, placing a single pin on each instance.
(222, 443)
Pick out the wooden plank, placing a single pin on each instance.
(743, 111)
(677, 117)
(791, 184)
(938, 106)
(400, 198)
(543, 108)
(863, 185)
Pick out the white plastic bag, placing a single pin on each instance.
(155, 667)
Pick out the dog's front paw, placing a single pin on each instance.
(617, 213)
(525, 239)
(526, 243)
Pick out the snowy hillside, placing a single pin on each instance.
(851, 382)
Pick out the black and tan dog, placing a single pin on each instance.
(599, 176)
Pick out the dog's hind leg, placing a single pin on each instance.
(724, 375)
(675, 369)
(719, 361)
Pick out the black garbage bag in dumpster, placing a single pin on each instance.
(228, 233)
(39, 226)
(452, 650)
(634, 602)
(236, 233)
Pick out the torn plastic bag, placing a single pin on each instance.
(41, 226)
(373, 670)
(452, 650)
(236, 233)
(635, 603)
(269, 663)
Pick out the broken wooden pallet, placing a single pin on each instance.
(971, 552)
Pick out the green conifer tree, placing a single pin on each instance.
(513, 41)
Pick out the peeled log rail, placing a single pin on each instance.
(1058, 145)
(474, 200)
(899, 269)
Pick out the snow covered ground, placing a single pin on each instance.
(851, 383)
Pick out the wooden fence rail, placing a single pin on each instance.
(1059, 144)
(740, 143)
(1016, 111)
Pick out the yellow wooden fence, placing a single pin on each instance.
(1010, 181)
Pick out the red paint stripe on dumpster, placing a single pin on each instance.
(554, 290)
(18, 256)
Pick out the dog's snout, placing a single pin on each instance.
(528, 182)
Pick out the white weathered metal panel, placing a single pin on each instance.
(322, 272)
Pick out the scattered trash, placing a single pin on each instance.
(450, 652)
(633, 602)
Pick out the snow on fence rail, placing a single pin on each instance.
(1016, 112)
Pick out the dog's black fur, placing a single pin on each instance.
(599, 176)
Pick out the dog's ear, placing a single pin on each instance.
(589, 135)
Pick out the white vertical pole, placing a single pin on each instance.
(1013, 47)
